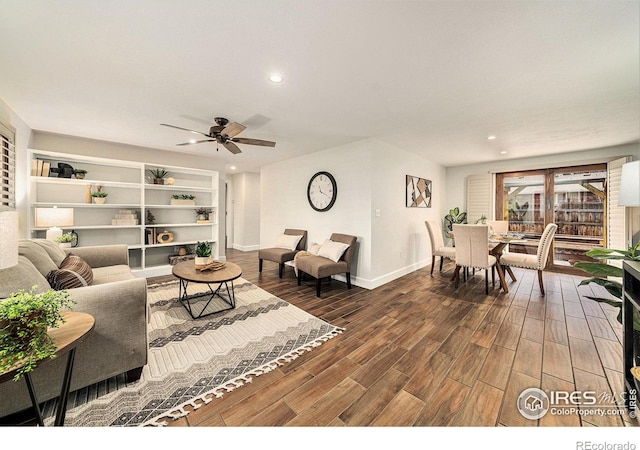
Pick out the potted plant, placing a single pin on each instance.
(454, 216)
(99, 197)
(603, 273)
(203, 214)
(183, 199)
(65, 240)
(203, 253)
(158, 175)
(79, 173)
(25, 318)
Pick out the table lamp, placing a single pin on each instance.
(54, 218)
(630, 184)
(9, 241)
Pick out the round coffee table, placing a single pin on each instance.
(186, 272)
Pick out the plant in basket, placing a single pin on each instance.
(25, 318)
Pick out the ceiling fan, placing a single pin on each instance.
(224, 133)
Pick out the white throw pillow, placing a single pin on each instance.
(314, 248)
(288, 241)
(332, 250)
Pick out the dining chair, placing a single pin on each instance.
(534, 262)
(498, 226)
(472, 242)
(437, 244)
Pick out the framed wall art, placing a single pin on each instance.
(418, 192)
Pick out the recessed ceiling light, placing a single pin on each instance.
(491, 138)
(275, 78)
(192, 141)
(503, 152)
(232, 167)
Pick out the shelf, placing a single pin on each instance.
(93, 227)
(174, 243)
(173, 187)
(178, 206)
(173, 225)
(85, 182)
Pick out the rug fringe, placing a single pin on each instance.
(231, 385)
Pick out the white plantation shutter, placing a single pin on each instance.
(479, 196)
(7, 168)
(616, 215)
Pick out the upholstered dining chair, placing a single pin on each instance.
(534, 262)
(284, 249)
(472, 242)
(498, 226)
(437, 244)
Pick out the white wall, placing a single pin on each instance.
(245, 206)
(91, 147)
(23, 142)
(370, 175)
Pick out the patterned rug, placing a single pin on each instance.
(191, 362)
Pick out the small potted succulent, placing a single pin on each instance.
(203, 214)
(65, 239)
(158, 175)
(203, 253)
(99, 197)
(79, 173)
(25, 318)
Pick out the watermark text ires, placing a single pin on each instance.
(534, 403)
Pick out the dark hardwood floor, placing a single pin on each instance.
(418, 352)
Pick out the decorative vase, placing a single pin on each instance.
(158, 181)
(79, 176)
(202, 260)
(99, 200)
(88, 195)
(64, 244)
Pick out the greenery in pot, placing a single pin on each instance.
(183, 197)
(203, 249)
(602, 270)
(203, 212)
(159, 175)
(99, 194)
(24, 320)
(79, 173)
(65, 238)
(454, 216)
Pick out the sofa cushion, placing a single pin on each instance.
(54, 250)
(74, 272)
(24, 275)
(37, 255)
(332, 250)
(314, 248)
(109, 274)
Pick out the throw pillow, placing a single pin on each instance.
(74, 272)
(314, 248)
(332, 250)
(288, 241)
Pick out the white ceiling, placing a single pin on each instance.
(433, 78)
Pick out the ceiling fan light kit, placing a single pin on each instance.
(224, 133)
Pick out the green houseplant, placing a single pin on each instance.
(158, 175)
(99, 196)
(203, 253)
(24, 320)
(603, 271)
(65, 239)
(454, 216)
(203, 213)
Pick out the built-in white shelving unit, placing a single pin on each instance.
(131, 187)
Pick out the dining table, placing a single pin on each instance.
(497, 244)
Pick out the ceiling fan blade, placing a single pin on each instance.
(250, 141)
(233, 148)
(197, 142)
(185, 129)
(232, 129)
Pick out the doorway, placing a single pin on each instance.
(572, 197)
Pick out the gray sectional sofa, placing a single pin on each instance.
(115, 298)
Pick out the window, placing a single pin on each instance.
(7, 168)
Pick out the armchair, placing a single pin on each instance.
(282, 252)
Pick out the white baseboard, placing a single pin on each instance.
(246, 248)
(381, 280)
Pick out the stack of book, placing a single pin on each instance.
(125, 217)
(40, 168)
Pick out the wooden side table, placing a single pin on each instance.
(67, 337)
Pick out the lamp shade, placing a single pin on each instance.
(9, 239)
(630, 184)
(54, 217)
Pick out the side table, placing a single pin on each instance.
(67, 337)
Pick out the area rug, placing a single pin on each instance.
(193, 362)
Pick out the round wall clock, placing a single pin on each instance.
(322, 191)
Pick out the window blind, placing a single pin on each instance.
(479, 197)
(7, 168)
